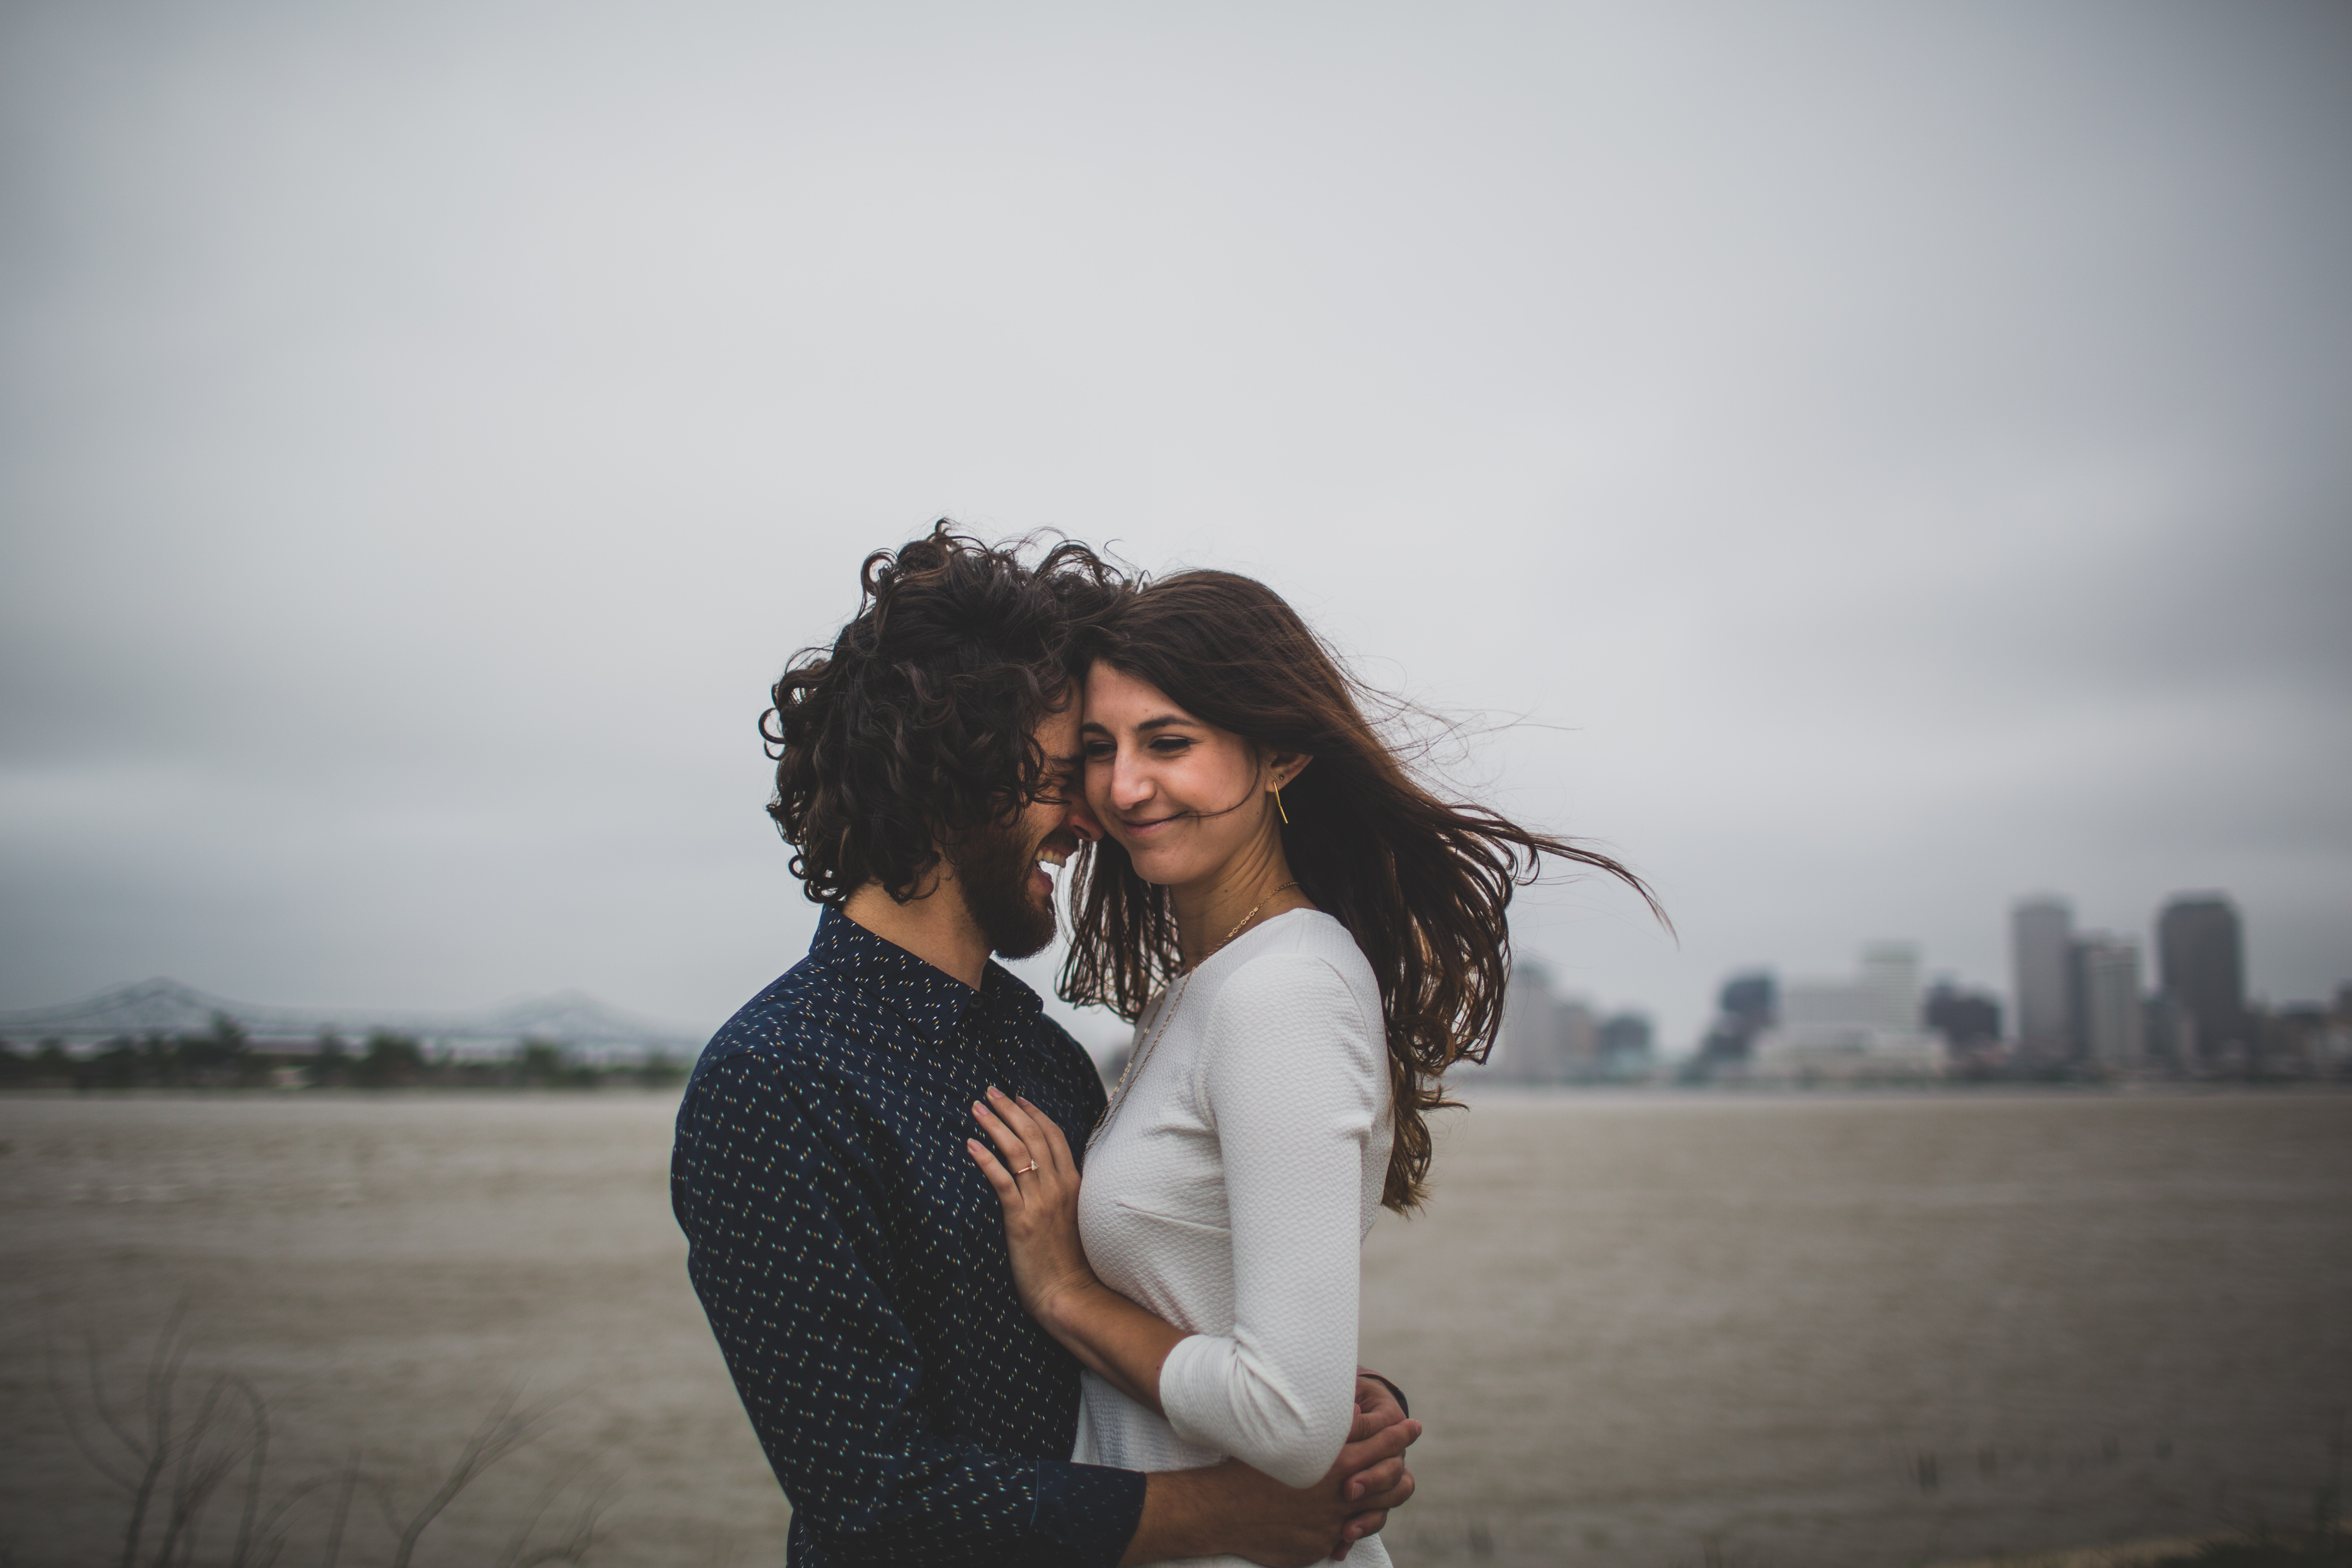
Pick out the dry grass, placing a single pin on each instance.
(184, 1450)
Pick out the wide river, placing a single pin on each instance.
(1844, 1332)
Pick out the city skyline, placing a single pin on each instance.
(2080, 1002)
(2043, 998)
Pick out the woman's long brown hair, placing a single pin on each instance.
(1421, 883)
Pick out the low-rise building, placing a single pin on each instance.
(1866, 1027)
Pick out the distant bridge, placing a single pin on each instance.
(583, 1026)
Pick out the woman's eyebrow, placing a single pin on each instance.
(1096, 727)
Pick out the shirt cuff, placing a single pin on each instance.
(1086, 1514)
(1201, 1391)
(1190, 1394)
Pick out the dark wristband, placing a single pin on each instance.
(1402, 1403)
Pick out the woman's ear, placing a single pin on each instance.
(1285, 766)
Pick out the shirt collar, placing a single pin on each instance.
(932, 1000)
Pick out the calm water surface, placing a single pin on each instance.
(1648, 1332)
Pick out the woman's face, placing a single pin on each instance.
(1182, 797)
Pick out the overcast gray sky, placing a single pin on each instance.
(1894, 459)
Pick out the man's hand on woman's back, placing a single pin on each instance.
(1231, 1507)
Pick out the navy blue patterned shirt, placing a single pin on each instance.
(852, 1261)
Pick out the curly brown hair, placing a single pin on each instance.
(1420, 881)
(914, 729)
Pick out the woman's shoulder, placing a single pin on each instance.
(1297, 1009)
(1300, 955)
(1304, 934)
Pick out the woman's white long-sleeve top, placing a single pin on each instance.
(1229, 1194)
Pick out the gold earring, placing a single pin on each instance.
(1277, 805)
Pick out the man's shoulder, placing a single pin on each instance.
(805, 1015)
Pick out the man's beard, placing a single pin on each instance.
(994, 872)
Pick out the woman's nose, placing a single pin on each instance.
(1130, 785)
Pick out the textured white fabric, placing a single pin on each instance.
(1230, 1194)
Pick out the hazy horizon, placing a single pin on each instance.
(1863, 468)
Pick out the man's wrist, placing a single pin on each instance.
(1180, 1518)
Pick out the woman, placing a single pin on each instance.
(1305, 938)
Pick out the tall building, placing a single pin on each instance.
(2040, 937)
(1528, 1050)
(2171, 1033)
(1890, 978)
(1577, 1031)
(1747, 1005)
(2201, 962)
(2109, 1016)
(1546, 1037)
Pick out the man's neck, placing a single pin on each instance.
(934, 925)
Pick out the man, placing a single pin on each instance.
(849, 1255)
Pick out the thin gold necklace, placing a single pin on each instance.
(1167, 1012)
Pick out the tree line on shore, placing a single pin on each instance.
(226, 1057)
